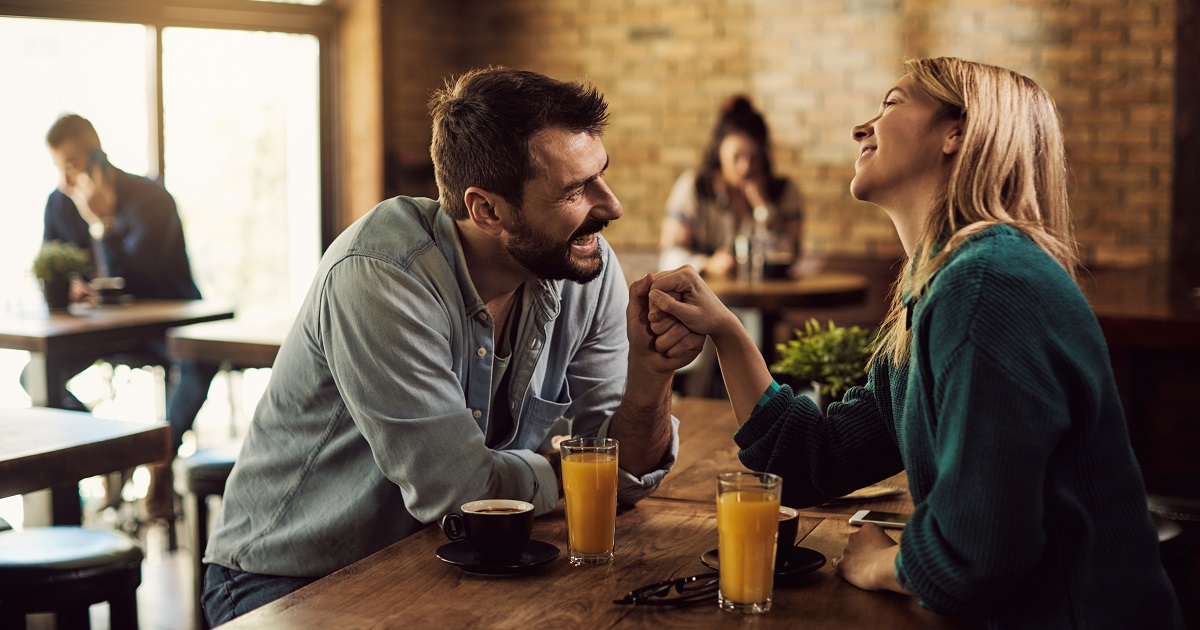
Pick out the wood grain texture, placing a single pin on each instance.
(109, 328)
(48, 447)
(405, 585)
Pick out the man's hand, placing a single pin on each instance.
(869, 561)
(661, 351)
(95, 197)
(81, 291)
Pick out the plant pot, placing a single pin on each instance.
(57, 292)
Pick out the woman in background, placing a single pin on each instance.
(992, 385)
(735, 186)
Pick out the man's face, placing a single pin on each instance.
(566, 204)
(71, 159)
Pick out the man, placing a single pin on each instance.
(131, 229)
(438, 345)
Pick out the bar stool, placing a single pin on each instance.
(64, 570)
(196, 479)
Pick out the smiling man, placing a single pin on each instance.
(441, 342)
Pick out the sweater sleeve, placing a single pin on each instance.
(999, 412)
(822, 457)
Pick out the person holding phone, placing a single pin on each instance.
(131, 228)
(991, 386)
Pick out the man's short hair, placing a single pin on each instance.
(482, 123)
(73, 127)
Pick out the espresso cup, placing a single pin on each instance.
(497, 529)
(789, 525)
(109, 289)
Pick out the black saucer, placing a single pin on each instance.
(460, 554)
(799, 560)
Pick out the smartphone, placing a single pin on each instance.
(891, 520)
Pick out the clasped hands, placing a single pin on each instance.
(679, 310)
(679, 307)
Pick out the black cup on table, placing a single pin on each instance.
(497, 529)
(789, 526)
(109, 289)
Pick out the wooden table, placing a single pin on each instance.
(44, 448)
(236, 343)
(58, 339)
(772, 296)
(405, 585)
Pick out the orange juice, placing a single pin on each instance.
(590, 487)
(747, 526)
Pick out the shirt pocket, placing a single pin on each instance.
(537, 419)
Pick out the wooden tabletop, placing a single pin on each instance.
(706, 448)
(244, 344)
(821, 289)
(103, 328)
(47, 447)
(406, 585)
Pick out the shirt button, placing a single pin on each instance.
(477, 414)
(483, 316)
(481, 352)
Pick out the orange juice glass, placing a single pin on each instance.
(589, 479)
(747, 528)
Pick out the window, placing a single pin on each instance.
(226, 106)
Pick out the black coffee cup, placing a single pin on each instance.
(110, 290)
(497, 529)
(789, 526)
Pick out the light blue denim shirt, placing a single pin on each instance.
(373, 422)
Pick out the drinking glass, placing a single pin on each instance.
(589, 478)
(747, 527)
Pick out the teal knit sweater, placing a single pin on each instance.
(1030, 511)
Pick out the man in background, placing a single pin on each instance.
(131, 229)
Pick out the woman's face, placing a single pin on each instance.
(903, 156)
(741, 159)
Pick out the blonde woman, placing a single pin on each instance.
(992, 386)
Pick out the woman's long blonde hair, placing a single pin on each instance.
(1011, 169)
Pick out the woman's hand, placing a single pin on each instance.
(869, 561)
(682, 297)
(721, 264)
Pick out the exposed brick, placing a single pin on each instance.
(816, 68)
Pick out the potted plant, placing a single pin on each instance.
(832, 359)
(56, 262)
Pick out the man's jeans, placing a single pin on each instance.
(229, 594)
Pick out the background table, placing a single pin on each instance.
(772, 296)
(57, 339)
(233, 343)
(405, 585)
(44, 448)
(94, 332)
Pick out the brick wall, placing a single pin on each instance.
(816, 68)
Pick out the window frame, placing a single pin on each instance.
(320, 21)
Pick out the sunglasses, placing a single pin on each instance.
(685, 591)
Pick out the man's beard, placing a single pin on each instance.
(550, 260)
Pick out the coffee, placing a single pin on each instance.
(497, 529)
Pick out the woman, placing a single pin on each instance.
(734, 190)
(992, 385)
